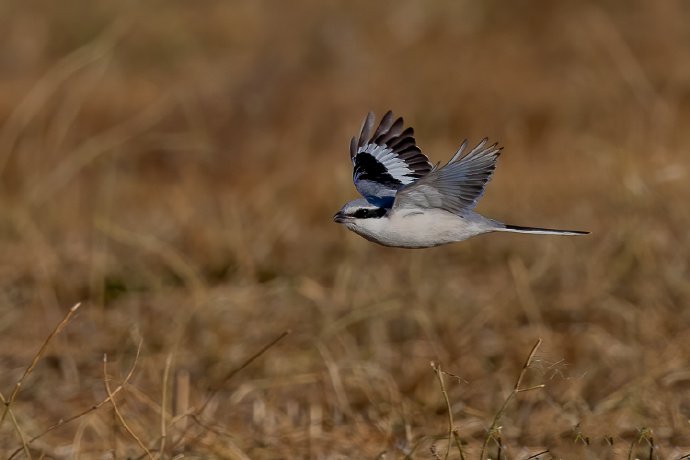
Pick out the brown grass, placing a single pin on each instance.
(174, 166)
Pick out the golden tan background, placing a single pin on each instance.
(175, 167)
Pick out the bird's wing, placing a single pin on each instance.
(455, 187)
(386, 159)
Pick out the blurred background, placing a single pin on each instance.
(175, 166)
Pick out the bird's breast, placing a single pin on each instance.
(418, 229)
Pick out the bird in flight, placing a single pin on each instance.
(409, 203)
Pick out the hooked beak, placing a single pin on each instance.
(340, 217)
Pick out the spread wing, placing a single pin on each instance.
(386, 159)
(455, 187)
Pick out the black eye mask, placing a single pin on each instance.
(367, 213)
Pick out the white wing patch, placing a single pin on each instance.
(394, 165)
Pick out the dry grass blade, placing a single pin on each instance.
(51, 81)
(176, 261)
(516, 389)
(96, 146)
(336, 380)
(17, 428)
(195, 414)
(87, 411)
(236, 370)
(452, 432)
(119, 415)
(36, 358)
(230, 449)
(646, 436)
(164, 398)
(538, 454)
(180, 406)
(458, 443)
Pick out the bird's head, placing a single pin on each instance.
(358, 213)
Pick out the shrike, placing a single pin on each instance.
(409, 203)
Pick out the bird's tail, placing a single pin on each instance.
(539, 231)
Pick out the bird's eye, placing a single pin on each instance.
(362, 213)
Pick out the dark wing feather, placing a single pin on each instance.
(386, 159)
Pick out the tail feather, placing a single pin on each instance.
(540, 231)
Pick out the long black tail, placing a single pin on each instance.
(540, 231)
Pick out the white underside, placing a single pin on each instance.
(416, 229)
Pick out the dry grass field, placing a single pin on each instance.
(174, 167)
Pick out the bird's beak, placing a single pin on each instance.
(339, 217)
